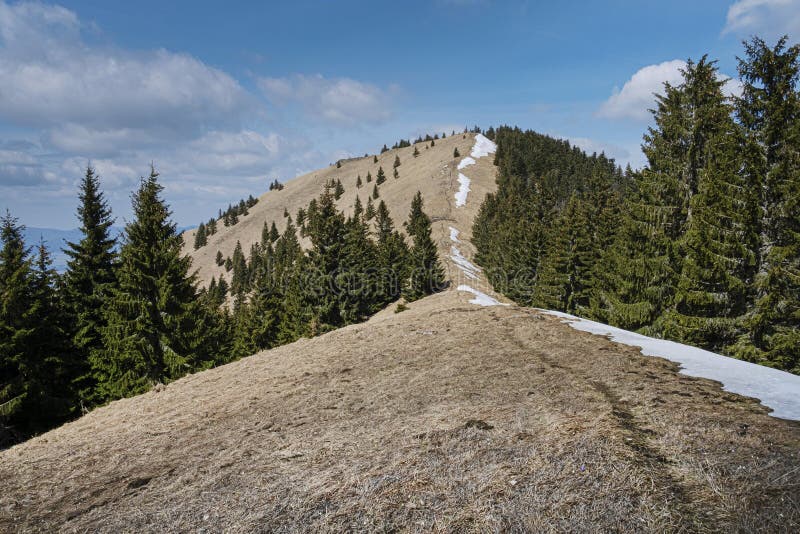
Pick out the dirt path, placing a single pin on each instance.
(445, 417)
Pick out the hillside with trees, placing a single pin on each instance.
(701, 246)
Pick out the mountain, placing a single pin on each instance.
(465, 412)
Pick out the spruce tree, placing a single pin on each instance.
(396, 161)
(369, 177)
(720, 244)
(375, 193)
(240, 274)
(380, 177)
(200, 236)
(369, 213)
(769, 111)
(156, 328)
(338, 190)
(426, 275)
(456, 153)
(219, 260)
(392, 256)
(358, 185)
(89, 282)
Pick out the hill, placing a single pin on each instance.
(463, 413)
(448, 416)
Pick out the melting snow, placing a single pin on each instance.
(466, 162)
(775, 389)
(481, 299)
(454, 235)
(483, 147)
(463, 190)
(469, 268)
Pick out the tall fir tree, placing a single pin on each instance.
(156, 326)
(769, 111)
(89, 281)
(426, 275)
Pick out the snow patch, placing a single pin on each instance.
(775, 389)
(463, 190)
(466, 162)
(481, 299)
(454, 235)
(483, 147)
(469, 268)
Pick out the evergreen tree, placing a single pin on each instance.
(200, 238)
(769, 111)
(240, 273)
(219, 259)
(89, 282)
(374, 159)
(720, 244)
(358, 185)
(396, 174)
(338, 190)
(369, 177)
(416, 151)
(35, 392)
(156, 328)
(369, 213)
(396, 161)
(380, 177)
(426, 275)
(456, 153)
(392, 256)
(375, 193)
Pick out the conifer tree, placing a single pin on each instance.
(156, 329)
(375, 193)
(392, 256)
(240, 274)
(374, 159)
(380, 177)
(396, 161)
(720, 244)
(326, 231)
(358, 185)
(369, 213)
(219, 259)
(456, 153)
(200, 236)
(769, 111)
(89, 282)
(426, 275)
(416, 151)
(338, 190)
(369, 177)
(396, 174)
(34, 385)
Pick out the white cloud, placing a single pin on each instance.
(52, 78)
(769, 19)
(336, 100)
(637, 95)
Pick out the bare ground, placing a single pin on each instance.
(446, 417)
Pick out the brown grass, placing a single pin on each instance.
(447, 417)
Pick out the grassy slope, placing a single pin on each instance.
(387, 424)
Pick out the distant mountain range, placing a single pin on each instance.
(57, 239)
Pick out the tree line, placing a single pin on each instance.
(701, 246)
(123, 318)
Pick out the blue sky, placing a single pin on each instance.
(223, 98)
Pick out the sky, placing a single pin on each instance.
(223, 98)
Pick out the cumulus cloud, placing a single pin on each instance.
(637, 95)
(52, 78)
(767, 18)
(336, 100)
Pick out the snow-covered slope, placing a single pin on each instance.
(775, 389)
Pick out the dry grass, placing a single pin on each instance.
(380, 426)
(433, 173)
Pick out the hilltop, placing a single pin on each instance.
(463, 413)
